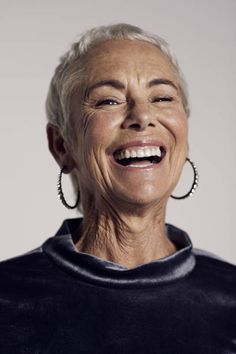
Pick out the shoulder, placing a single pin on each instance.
(26, 261)
(214, 270)
(213, 259)
(24, 274)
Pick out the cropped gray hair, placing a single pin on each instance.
(68, 73)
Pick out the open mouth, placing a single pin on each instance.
(140, 156)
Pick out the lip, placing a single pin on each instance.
(135, 169)
(139, 143)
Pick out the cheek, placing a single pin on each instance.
(102, 128)
(179, 128)
(93, 143)
(176, 123)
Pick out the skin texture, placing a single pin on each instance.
(124, 208)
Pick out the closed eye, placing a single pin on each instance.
(106, 102)
(162, 99)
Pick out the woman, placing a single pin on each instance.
(119, 280)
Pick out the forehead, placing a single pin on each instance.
(127, 58)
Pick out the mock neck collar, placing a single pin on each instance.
(94, 270)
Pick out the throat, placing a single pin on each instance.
(127, 249)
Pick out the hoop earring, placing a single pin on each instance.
(195, 182)
(61, 194)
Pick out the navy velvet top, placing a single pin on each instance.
(58, 300)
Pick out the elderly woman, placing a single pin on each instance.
(119, 280)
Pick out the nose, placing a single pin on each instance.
(139, 117)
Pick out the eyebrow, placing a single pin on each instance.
(112, 83)
(120, 86)
(162, 82)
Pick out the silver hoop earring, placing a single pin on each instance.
(61, 194)
(195, 182)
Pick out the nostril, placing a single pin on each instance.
(135, 126)
(139, 126)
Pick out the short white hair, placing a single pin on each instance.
(69, 71)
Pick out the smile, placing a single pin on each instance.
(140, 156)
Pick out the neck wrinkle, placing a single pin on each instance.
(129, 243)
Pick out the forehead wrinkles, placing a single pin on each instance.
(130, 60)
(135, 76)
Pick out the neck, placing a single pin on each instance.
(128, 240)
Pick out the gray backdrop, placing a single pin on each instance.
(33, 34)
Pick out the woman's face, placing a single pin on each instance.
(130, 125)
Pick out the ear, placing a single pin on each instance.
(59, 148)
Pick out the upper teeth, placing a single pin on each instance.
(138, 152)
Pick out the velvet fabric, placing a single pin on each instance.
(57, 300)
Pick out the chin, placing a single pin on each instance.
(144, 197)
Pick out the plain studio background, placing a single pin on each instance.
(34, 34)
